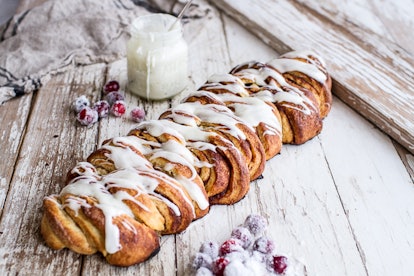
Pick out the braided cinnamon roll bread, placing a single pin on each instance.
(298, 106)
(226, 176)
(261, 115)
(165, 173)
(221, 120)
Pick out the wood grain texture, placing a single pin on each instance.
(379, 85)
(377, 19)
(376, 191)
(13, 118)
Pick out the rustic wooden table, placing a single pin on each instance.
(341, 204)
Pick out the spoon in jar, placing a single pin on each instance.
(180, 15)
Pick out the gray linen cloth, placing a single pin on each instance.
(50, 38)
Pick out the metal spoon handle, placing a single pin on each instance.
(181, 14)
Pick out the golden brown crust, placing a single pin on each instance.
(60, 231)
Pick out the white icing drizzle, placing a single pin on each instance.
(284, 65)
(289, 96)
(251, 110)
(219, 115)
(84, 168)
(228, 82)
(305, 54)
(75, 203)
(202, 146)
(91, 187)
(124, 157)
(174, 152)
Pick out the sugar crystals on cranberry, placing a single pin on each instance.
(230, 245)
(264, 245)
(241, 254)
(79, 103)
(219, 265)
(243, 235)
(256, 224)
(114, 96)
(118, 108)
(138, 114)
(102, 107)
(87, 116)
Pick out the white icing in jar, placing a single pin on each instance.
(157, 57)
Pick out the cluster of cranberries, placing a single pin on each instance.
(114, 104)
(246, 252)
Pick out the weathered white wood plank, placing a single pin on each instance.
(380, 87)
(390, 20)
(13, 119)
(53, 142)
(375, 189)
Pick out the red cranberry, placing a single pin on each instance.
(279, 264)
(219, 265)
(243, 235)
(118, 108)
(102, 107)
(112, 97)
(264, 245)
(111, 86)
(87, 116)
(137, 114)
(256, 224)
(230, 245)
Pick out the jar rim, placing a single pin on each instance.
(158, 24)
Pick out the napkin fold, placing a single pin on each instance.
(52, 37)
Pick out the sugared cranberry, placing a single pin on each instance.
(118, 108)
(111, 86)
(112, 97)
(79, 103)
(256, 224)
(219, 265)
(202, 260)
(230, 245)
(137, 114)
(279, 264)
(102, 107)
(210, 248)
(264, 245)
(243, 235)
(87, 116)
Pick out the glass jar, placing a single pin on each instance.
(157, 57)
